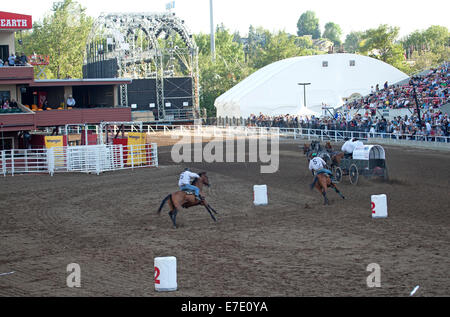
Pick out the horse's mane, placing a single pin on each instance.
(195, 180)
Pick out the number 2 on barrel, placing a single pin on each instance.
(373, 207)
(157, 273)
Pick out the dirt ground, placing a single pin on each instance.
(293, 247)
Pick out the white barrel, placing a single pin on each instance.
(260, 195)
(379, 206)
(166, 274)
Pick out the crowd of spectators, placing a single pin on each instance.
(431, 89)
(14, 60)
(433, 123)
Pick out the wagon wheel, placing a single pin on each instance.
(353, 174)
(337, 171)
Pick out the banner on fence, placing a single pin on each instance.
(57, 143)
(54, 141)
(136, 149)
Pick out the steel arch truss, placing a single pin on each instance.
(146, 45)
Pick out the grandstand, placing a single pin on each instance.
(429, 86)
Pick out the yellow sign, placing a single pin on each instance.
(58, 143)
(136, 148)
(54, 141)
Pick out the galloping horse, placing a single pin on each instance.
(322, 184)
(331, 158)
(182, 199)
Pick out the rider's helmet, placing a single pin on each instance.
(314, 154)
(187, 169)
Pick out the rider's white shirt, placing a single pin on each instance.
(316, 164)
(185, 178)
(350, 146)
(347, 147)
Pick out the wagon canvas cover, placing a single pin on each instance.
(369, 152)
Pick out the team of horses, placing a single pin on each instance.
(186, 199)
(331, 157)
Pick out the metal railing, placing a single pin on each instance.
(295, 133)
(87, 159)
(23, 161)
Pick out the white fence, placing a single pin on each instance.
(87, 159)
(295, 133)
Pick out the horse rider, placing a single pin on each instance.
(318, 166)
(350, 145)
(185, 182)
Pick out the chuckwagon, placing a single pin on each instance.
(367, 160)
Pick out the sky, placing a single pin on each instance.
(274, 15)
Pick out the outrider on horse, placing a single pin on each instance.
(322, 177)
(186, 199)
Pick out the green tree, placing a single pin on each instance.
(308, 24)
(256, 43)
(228, 69)
(333, 32)
(304, 42)
(414, 42)
(279, 46)
(352, 41)
(437, 37)
(381, 43)
(62, 36)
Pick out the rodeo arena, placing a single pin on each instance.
(323, 175)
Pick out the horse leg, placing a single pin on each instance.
(173, 216)
(210, 213)
(173, 212)
(337, 190)
(323, 189)
(209, 206)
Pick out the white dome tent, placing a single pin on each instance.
(274, 89)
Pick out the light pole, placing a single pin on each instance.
(304, 91)
(213, 44)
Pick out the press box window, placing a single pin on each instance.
(352, 63)
(324, 64)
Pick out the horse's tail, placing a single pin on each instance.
(164, 202)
